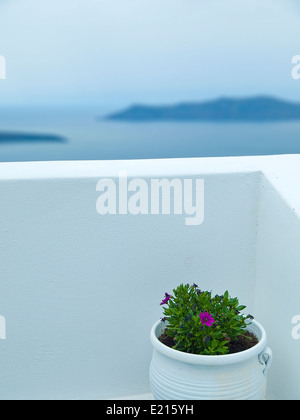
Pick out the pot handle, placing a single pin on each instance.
(265, 358)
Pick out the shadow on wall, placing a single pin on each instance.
(278, 289)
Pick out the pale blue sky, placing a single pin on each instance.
(118, 52)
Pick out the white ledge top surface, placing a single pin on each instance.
(277, 164)
(283, 171)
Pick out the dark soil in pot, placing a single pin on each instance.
(241, 344)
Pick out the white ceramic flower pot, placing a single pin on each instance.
(175, 375)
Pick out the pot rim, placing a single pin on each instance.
(212, 360)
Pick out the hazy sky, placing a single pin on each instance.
(154, 51)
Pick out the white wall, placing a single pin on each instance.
(80, 291)
(277, 289)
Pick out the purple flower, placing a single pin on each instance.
(206, 319)
(165, 300)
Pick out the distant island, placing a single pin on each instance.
(15, 137)
(260, 108)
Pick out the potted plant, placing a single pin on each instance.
(204, 348)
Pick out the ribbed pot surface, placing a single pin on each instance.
(175, 375)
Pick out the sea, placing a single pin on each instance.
(83, 133)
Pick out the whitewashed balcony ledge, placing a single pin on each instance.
(80, 291)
